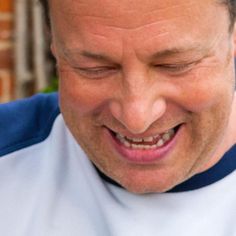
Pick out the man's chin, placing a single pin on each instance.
(141, 190)
(149, 187)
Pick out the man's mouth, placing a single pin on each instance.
(146, 143)
(145, 149)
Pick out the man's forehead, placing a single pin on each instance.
(121, 13)
(172, 25)
(111, 8)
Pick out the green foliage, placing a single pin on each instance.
(53, 87)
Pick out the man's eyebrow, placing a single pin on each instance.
(177, 50)
(174, 51)
(91, 55)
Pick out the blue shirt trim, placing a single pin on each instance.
(27, 121)
(223, 168)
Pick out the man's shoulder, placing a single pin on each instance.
(27, 121)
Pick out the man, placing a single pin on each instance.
(143, 143)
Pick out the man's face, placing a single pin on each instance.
(146, 87)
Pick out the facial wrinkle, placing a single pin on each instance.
(120, 18)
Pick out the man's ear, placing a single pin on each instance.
(53, 50)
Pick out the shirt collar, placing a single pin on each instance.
(224, 167)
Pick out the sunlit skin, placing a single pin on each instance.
(139, 68)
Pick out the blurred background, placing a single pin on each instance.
(26, 64)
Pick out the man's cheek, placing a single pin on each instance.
(201, 96)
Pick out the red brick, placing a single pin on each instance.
(1, 87)
(6, 29)
(6, 58)
(6, 5)
(5, 86)
(6, 24)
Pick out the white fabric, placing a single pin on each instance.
(51, 189)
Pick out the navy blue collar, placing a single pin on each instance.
(224, 167)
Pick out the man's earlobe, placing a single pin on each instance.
(52, 47)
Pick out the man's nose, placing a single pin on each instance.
(138, 106)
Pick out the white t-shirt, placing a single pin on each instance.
(49, 187)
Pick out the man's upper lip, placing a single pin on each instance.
(143, 135)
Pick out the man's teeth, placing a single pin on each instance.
(141, 140)
(147, 142)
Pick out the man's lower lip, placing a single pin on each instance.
(140, 156)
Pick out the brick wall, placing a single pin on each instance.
(6, 50)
